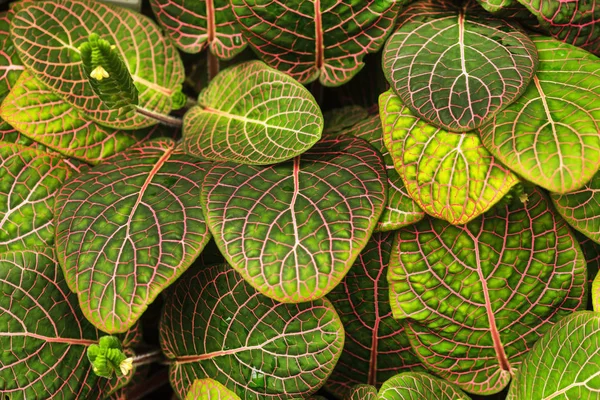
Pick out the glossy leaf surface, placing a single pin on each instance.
(456, 66)
(47, 36)
(400, 209)
(478, 296)
(550, 134)
(450, 175)
(209, 389)
(252, 114)
(196, 25)
(44, 335)
(293, 230)
(29, 181)
(45, 117)
(362, 392)
(581, 208)
(419, 386)
(310, 39)
(216, 325)
(128, 228)
(376, 346)
(564, 364)
(10, 65)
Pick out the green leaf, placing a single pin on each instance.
(47, 35)
(400, 209)
(591, 253)
(574, 22)
(457, 66)
(42, 115)
(294, 229)
(216, 325)
(495, 6)
(252, 114)
(478, 296)
(419, 386)
(29, 181)
(581, 208)
(10, 65)
(339, 119)
(45, 336)
(550, 134)
(362, 392)
(128, 228)
(324, 39)
(9, 134)
(450, 175)
(107, 73)
(564, 364)
(209, 389)
(376, 346)
(196, 25)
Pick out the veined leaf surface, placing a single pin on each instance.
(581, 208)
(10, 65)
(310, 39)
(450, 175)
(196, 25)
(576, 21)
(342, 118)
(128, 228)
(550, 134)
(456, 66)
(42, 115)
(209, 389)
(29, 181)
(376, 346)
(478, 296)
(419, 386)
(362, 392)
(252, 114)
(400, 209)
(495, 6)
(564, 364)
(9, 134)
(48, 33)
(294, 229)
(44, 335)
(216, 325)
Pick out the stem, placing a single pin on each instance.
(162, 118)
(213, 65)
(148, 358)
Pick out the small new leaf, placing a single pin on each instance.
(107, 357)
(107, 73)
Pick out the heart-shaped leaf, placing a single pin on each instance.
(400, 209)
(44, 335)
(252, 114)
(450, 175)
(216, 325)
(45, 117)
(376, 346)
(581, 208)
(128, 228)
(456, 66)
(10, 65)
(209, 389)
(293, 230)
(47, 35)
(478, 296)
(362, 392)
(324, 39)
(419, 386)
(564, 363)
(550, 134)
(576, 21)
(29, 181)
(195, 25)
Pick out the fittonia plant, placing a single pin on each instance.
(367, 200)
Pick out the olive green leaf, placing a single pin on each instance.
(550, 134)
(476, 297)
(419, 386)
(215, 325)
(564, 364)
(451, 176)
(252, 114)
